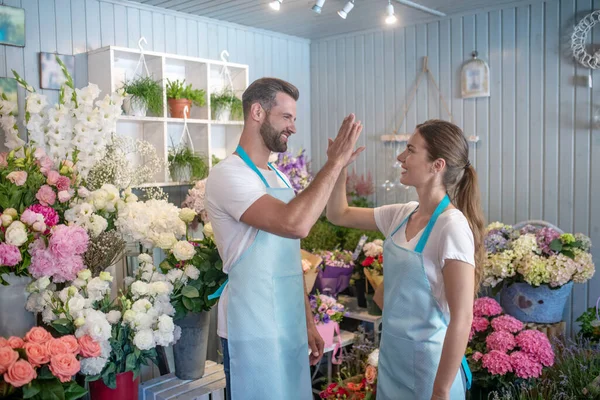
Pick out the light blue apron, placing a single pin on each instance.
(414, 326)
(266, 317)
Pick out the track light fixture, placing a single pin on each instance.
(347, 8)
(276, 4)
(391, 17)
(318, 6)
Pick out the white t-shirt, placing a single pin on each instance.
(231, 188)
(450, 239)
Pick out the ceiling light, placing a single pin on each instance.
(276, 4)
(391, 17)
(347, 8)
(318, 5)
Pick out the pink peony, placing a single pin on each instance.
(50, 215)
(17, 177)
(507, 323)
(31, 217)
(501, 341)
(477, 356)
(3, 162)
(480, 324)
(67, 241)
(525, 366)
(42, 260)
(46, 196)
(9, 255)
(537, 345)
(63, 183)
(486, 307)
(497, 362)
(52, 178)
(67, 268)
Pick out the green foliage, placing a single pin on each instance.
(182, 157)
(179, 90)
(215, 160)
(148, 91)
(326, 236)
(226, 99)
(590, 325)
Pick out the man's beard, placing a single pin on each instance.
(272, 137)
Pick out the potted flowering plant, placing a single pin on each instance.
(335, 272)
(501, 351)
(295, 167)
(535, 268)
(327, 313)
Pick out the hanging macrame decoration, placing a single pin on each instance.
(475, 78)
(579, 38)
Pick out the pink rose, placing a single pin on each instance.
(330, 312)
(56, 347)
(3, 342)
(17, 177)
(71, 342)
(63, 183)
(16, 342)
(8, 357)
(9, 255)
(38, 335)
(20, 374)
(89, 347)
(52, 178)
(64, 366)
(46, 196)
(3, 162)
(64, 196)
(37, 354)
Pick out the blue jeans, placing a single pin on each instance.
(226, 367)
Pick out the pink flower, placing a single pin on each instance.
(507, 323)
(3, 162)
(46, 196)
(525, 366)
(536, 345)
(31, 217)
(63, 183)
(68, 240)
(42, 260)
(17, 177)
(9, 255)
(52, 178)
(486, 307)
(480, 324)
(477, 356)
(46, 164)
(64, 196)
(330, 312)
(50, 215)
(497, 362)
(39, 153)
(16, 342)
(20, 374)
(501, 341)
(67, 268)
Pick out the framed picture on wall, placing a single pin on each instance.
(51, 75)
(8, 87)
(475, 78)
(12, 26)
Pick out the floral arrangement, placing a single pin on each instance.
(335, 272)
(359, 188)
(195, 201)
(41, 367)
(501, 350)
(363, 386)
(336, 258)
(295, 167)
(325, 309)
(536, 256)
(373, 256)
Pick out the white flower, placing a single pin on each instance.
(141, 305)
(374, 358)
(128, 280)
(63, 295)
(6, 220)
(144, 339)
(113, 317)
(208, 230)
(174, 275)
(84, 274)
(184, 250)
(145, 258)
(79, 283)
(16, 234)
(95, 325)
(165, 324)
(177, 333)
(166, 240)
(139, 288)
(129, 316)
(143, 321)
(79, 322)
(97, 225)
(192, 272)
(105, 276)
(76, 303)
(163, 338)
(34, 303)
(159, 288)
(187, 215)
(43, 283)
(48, 315)
(97, 288)
(83, 192)
(93, 365)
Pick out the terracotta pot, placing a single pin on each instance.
(127, 388)
(176, 107)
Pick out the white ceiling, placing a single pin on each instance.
(296, 17)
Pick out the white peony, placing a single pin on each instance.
(139, 288)
(183, 250)
(113, 317)
(16, 234)
(159, 288)
(141, 305)
(192, 272)
(165, 324)
(144, 339)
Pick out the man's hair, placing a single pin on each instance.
(264, 90)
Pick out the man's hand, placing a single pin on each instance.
(341, 150)
(315, 343)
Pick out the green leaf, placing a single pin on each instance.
(31, 390)
(569, 253)
(137, 352)
(52, 390)
(61, 321)
(556, 245)
(45, 373)
(131, 362)
(73, 391)
(92, 378)
(188, 303)
(190, 292)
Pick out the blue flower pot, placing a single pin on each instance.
(541, 304)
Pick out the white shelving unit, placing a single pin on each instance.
(109, 67)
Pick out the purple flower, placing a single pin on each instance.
(529, 229)
(326, 318)
(544, 237)
(495, 243)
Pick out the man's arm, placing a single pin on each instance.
(315, 341)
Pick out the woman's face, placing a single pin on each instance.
(416, 167)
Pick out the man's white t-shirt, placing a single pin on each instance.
(231, 188)
(450, 239)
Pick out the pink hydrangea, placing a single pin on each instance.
(501, 341)
(497, 362)
(537, 345)
(486, 307)
(525, 366)
(477, 356)
(46, 195)
(507, 323)
(9, 255)
(50, 215)
(480, 324)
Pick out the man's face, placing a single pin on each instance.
(279, 123)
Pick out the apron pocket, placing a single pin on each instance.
(397, 364)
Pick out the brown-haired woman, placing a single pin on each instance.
(432, 255)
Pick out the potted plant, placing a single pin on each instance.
(196, 271)
(185, 165)
(327, 313)
(180, 95)
(226, 106)
(143, 94)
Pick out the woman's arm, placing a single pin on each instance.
(339, 213)
(459, 282)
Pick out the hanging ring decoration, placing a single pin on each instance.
(578, 40)
(142, 60)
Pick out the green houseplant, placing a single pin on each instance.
(143, 94)
(186, 165)
(226, 106)
(180, 95)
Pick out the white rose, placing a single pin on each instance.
(166, 240)
(113, 317)
(192, 272)
(159, 288)
(165, 324)
(16, 234)
(141, 305)
(187, 215)
(144, 339)
(139, 288)
(145, 258)
(208, 230)
(184, 250)
(84, 274)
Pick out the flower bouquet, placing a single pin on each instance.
(335, 272)
(373, 262)
(295, 168)
(501, 351)
(327, 313)
(363, 386)
(310, 264)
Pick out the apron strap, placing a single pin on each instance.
(439, 209)
(244, 156)
(219, 291)
(279, 175)
(403, 222)
(467, 372)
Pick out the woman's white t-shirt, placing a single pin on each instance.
(451, 239)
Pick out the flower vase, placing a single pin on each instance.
(135, 107)
(127, 388)
(540, 304)
(190, 350)
(372, 307)
(15, 320)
